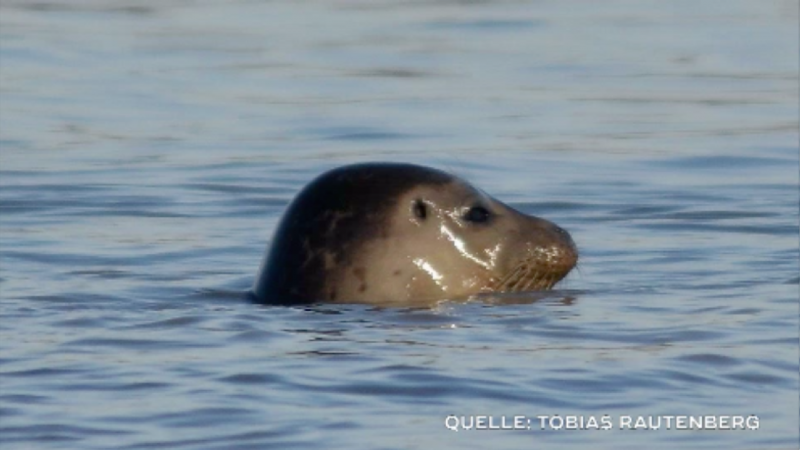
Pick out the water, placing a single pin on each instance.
(149, 148)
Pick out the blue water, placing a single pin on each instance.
(148, 149)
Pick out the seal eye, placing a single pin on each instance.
(420, 209)
(477, 214)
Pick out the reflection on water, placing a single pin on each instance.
(149, 149)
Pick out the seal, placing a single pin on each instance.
(395, 234)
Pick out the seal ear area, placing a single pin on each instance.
(419, 211)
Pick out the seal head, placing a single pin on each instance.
(391, 233)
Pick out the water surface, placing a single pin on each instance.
(149, 149)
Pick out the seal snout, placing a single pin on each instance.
(564, 250)
(567, 248)
(562, 232)
(547, 256)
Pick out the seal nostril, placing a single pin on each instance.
(564, 235)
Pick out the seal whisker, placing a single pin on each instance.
(540, 282)
(512, 285)
(543, 281)
(522, 275)
(524, 281)
(531, 281)
(507, 283)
